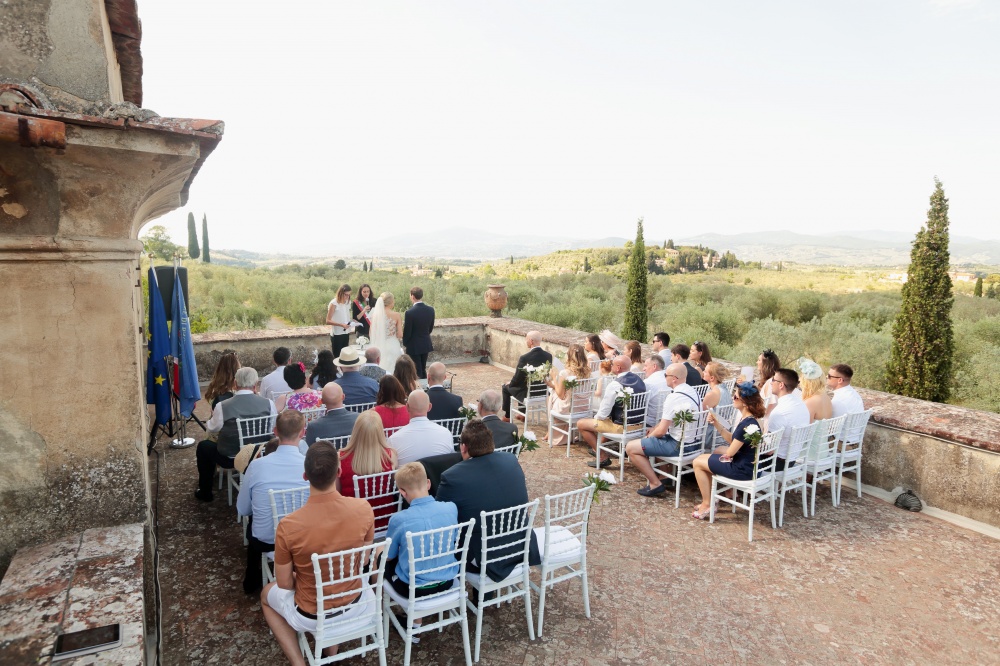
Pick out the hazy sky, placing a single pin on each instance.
(375, 117)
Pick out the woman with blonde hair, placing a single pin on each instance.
(387, 330)
(814, 390)
(338, 316)
(717, 396)
(561, 398)
(367, 452)
(223, 382)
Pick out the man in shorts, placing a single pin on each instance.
(610, 416)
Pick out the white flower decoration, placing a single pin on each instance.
(472, 406)
(605, 475)
(751, 429)
(571, 378)
(530, 435)
(529, 368)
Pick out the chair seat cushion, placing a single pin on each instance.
(450, 600)
(514, 576)
(563, 545)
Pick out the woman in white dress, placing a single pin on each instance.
(387, 330)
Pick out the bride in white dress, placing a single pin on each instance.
(386, 331)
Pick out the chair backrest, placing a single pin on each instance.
(798, 442)
(313, 414)
(536, 391)
(698, 428)
(700, 390)
(824, 442)
(730, 414)
(506, 533)
(641, 374)
(514, 449)
(729, 385)
(595, 367)
(854, 429)
(437, 550)
(389, 432)
(342, 576)
(336, 442)
(582, 395)
(283, 502)
(255, 429)
(764, 459)
(634, 417)
(454, 426)
(279, 394)
(566, 518)
(360, 407)
(381, 492)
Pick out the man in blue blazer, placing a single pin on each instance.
(418, 324)
(358, 389)
(444, 403)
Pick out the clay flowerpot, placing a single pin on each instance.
(496, 298)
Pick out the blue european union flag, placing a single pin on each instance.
(182, 349)
(157, 383)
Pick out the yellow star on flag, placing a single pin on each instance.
(159, 380)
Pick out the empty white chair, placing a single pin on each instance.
(506, 535)
(430, 552)
(674, 468)
(534, 404)
(849, 451)
(381, 492)
(362, 569)
(793, 477)
(563, 544)
(580, 408)
(514, 449)
(360, 407)
(454, 426)
(634, 427)
(313, 414)
(757, 489)
(821, 458)
(283, 502)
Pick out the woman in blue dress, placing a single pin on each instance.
(736, 460)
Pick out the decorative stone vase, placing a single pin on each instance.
(496, 299)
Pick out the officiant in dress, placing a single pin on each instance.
(361, 308)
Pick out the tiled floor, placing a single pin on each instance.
(865, 583)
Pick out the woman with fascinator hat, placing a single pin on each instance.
(813, 386)
(302, 396)
(736, 459)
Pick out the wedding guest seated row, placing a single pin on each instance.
(405, 371)
(421, 437)
(371, 369)
(612, 344)
(275, 381)
(338, 420)
(814, 390)
(846, 399)
(279, 470)
(518, 384)
(324, 372)
(661, 345)
(717, 396)
(223, 383)
(302, 396)
(327, 523)
(358, 389)
(699, 356)
(789, 413)
(390, 403)
(634, 352)
(560, 398)
(593, 347)
(367, 452)
(488, 407)
(610, 415)
(679, 353)
(656, 386)
(444, 403)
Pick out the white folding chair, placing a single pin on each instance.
(432, 555)
(389, 432)
(513, 449)
(580, 408)
(283, 502)
(454, 426)
(336, 442)
(729, 385)
(700, 390)
(634, 427)
(821, 459)
(674, 468)
(563, 542)
(506, 535)
(757, 489)
(731, 416)
(360, 407)
(793, 477)
(313, 414)
(533, 405)
(360, 571)
(595, 368)
(849, 451)
(381, 492)
(280, 394)
(254, 430)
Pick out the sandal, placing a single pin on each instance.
(701, 515)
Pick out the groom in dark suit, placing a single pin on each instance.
(518, 385)
(417, 326)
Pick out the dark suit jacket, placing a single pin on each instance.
(417, 327)
(518, 386)
(437, 465)
(336, 423)
(504, 434)
(444, 404)
(487, 483)
(694, 375)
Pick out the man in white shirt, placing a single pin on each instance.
(789, 413)
(656, 386)
(845, 397)
(280, 470)
(664, 439)
(610, 416)
(420, 438)
(661, 345)
(275, 382)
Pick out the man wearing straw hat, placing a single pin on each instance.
(358, 389)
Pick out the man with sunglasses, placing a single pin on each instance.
(790, 413)
(846, 399)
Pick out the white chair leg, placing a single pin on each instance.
(479, 622)
(857, 478)
(750, 529)
(465, 636)
(773, 524)
(586, 591)
(541, 601)
(781, 509)
(526, 584)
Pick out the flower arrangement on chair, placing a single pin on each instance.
(537, 373)
(601, 481)
(528, 441)
(469, 411)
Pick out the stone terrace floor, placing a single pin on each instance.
(866, 583)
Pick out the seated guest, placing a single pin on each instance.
(767, 365)
(679, 353)
(328, 523)
(245, 404)
(358, 389)
(338, 420)
(405, 371)
(717, 396)
(223, 383)
(560, 398)
(444, 403)
(390, 403)
(656, 386)
(423, 514)
(665, 439)
(504, 433)
(280, 470)
(736, 460)
(275, 382)
(610, 416)
(595, 350)
(661, 345)
(699, 356)
(518, 384)
(789, 413)
(814, 390)
(604, 377)
(435, 466)
(485, 481)
(371, 369)
(634, 351)
(420, 437)
(324, 372)
(302, 396)
(846, 399)
(612, 344)
(367, 452)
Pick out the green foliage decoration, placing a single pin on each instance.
(636, 307)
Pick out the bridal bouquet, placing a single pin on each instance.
(528, 441)
(468, 411)
(537, 373)
(601, 481)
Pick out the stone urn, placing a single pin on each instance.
(496, 299)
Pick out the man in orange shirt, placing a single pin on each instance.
(327, 523)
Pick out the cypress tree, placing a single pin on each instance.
(205, 256)
(991, 291)
(978, 291)
(586, 265)
(636, 312)
(364, 266)
(193, 251)
(920, 365)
